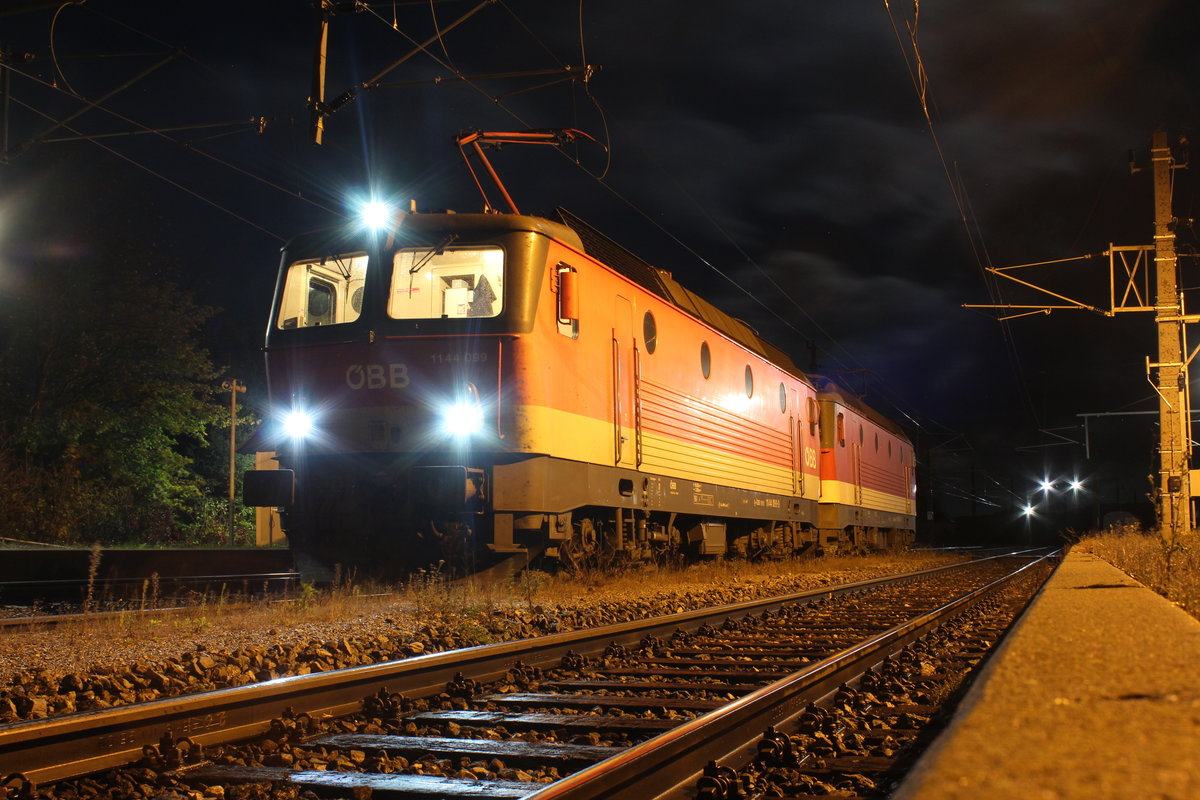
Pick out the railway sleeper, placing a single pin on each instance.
(372, 784)
(730, 661)
(546, 721)
(539, 699)
(656, 686)
(517, 752)
(727, 674)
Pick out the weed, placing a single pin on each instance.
(306, 595)
(149, 593)
(93, 570)
(429, 589)
(467, 630)
(1170, 567)
(529, 582)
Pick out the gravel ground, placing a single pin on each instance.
(102, 663)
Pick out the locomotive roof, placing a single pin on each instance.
(437, 224)
(827, 387)
(661, 283)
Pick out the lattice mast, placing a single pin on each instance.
(1175, 450)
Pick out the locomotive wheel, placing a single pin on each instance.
(579, 553)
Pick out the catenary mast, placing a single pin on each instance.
(1174, 490)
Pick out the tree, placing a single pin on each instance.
(101, 379)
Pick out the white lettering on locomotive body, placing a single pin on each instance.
(377, 376)
(399, 375)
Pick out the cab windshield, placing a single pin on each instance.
(326, 291)
(432, 283)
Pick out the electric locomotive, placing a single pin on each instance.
(463, 386)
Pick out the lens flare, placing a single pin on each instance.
(462, 419)
(298, 424)
(375, 214)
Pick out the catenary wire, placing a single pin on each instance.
(185, 145)
(920, 81)
(155, 173)
(53, 54)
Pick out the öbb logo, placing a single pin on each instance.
(377, 376)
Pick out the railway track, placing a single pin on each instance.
(267, 585)
(120, 577)
(639, 709)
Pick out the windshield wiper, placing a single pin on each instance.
(437, 250)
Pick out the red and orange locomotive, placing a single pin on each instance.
(457, 384)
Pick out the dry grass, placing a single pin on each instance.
(354, 607)
(432, 593)
(1171, 569)
(567, 589)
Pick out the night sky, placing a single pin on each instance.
(773, 155)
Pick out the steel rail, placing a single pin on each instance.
(113, 591)
(50, 620)
(670, 763)
(78, 744)
(252, 577)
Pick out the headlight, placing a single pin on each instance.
(462, 419)
(298, 424)
(375, 214)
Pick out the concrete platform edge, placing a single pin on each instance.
(1094, 693)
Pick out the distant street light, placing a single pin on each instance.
(233, 386)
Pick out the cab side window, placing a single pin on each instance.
(566, 289)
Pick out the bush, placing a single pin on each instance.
(102, 380)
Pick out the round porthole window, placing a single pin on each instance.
(649, 332)
(782, 399)
(749, 381)
(705, 360)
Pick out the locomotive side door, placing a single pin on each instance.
(796, 434)
(856, 469)
(623, 379)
